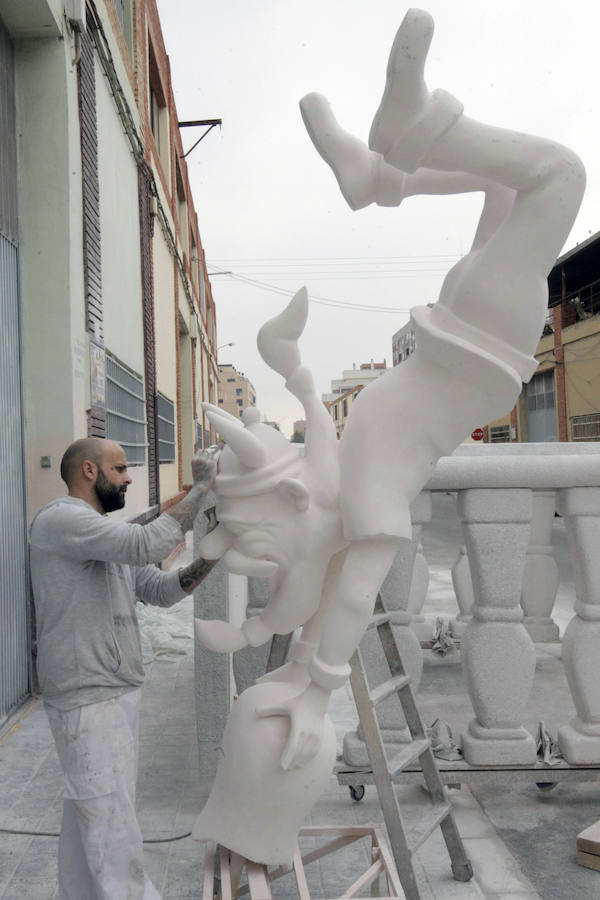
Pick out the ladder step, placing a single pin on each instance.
(411, 752)
(382, 691)
(379, 619)
(429, 822)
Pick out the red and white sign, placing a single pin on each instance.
(477, 435)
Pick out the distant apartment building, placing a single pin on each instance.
(299, 430)
(235, 391)
(346, 389)
(403, 344)
(107, 315)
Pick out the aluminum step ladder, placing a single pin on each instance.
(404, 843)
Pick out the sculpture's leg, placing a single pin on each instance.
(497, 653)
(540, 580)
(580, 739)
(415, 128)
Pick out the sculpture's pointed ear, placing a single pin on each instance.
(296, 491)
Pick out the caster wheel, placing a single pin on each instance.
(358, 792)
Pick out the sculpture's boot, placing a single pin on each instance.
(362, 175)
(409, 118)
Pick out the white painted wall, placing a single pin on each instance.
(166, 342)
(55, 342)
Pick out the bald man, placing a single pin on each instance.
(87, 571)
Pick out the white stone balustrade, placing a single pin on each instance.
(506, 503)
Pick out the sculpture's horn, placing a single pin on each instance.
(278, 338)
(210, 407)
(244, 444)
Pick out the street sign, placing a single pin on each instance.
(477, 434)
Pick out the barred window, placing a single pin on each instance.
(585, 428)
(199, 434)
(166, 429)
(500, 434)
(540, 391)
(126, 411)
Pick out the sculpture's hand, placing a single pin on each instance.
(291, 673)
(306, 712)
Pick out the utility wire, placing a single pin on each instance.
(325, 301)
(177, 837)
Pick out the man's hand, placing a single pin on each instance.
(204, 468)
(306, 712)
(204, 471)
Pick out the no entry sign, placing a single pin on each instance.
(477, 435)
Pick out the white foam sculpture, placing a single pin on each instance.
(325, 526)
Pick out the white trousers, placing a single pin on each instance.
(100, 853)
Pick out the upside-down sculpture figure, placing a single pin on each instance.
(326, 526)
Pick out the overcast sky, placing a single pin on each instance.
(269, 208)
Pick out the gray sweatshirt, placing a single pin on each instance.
(86, 572)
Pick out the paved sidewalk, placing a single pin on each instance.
(521, 842)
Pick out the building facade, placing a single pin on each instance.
(346, 389)
(108, 321)
(363, 375)
(562, 400)
(235, 391)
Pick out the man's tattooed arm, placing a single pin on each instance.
(192, 575)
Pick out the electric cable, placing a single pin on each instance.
(56, 834)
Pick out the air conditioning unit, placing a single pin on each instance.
(75, 13)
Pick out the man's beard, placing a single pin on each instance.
(111, 496)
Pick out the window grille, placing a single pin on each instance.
(166, 429)
(126, 411)
(540, 391)
(585, 428)
(344, 407)
(120, 5)
(240, 402)
(199, 432)
(500, 434)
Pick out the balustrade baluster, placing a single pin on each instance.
(497, 652)
(580, 739)
(540, 579)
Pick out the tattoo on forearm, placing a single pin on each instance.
(186, 510)
(196, 572)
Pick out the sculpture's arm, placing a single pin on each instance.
(278, 345)
(364, 568)
(296, 670)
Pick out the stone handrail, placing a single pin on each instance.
(506, 581)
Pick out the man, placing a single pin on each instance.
(87, 571)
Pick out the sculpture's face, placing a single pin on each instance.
(266, 527)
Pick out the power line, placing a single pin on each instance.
(325, 301)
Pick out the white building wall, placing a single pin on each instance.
(56, 363)
(166, 343)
